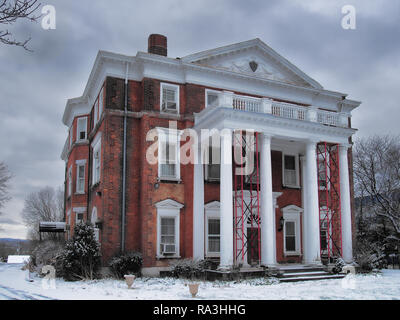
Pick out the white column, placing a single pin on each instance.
(198, 206)
(226, 199)
(305, 231)
(268, 242)
(345, 204)
(312, 213)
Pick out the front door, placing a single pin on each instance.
(252, 246)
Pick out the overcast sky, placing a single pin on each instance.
(34, 87)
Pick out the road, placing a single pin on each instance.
(9, 293)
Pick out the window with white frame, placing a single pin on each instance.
(168, 222)
(290, 170)
(101, 102)
(169, 98)
(79, 214)
(69, 181)
(96, 159)
(80, 176)
(212, 229)
(291, 230)
(212, 166)
(212, 98)
(168, 154)
(81, 132)
(98, 107)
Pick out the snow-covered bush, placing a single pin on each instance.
(339, 264)
(188, 268)
(81, 257)
(46, 253)
(126, 263)
(369, 256)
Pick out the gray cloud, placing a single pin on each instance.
(365, 63)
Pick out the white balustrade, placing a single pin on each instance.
(283, 109)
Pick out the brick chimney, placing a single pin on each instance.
(157, 44)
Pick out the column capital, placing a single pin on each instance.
(344, 146)
(265, 136)
(312, 141)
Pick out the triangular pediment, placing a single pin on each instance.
(253, 58)
(169, 204)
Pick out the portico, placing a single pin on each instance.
(298, 131)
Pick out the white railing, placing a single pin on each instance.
(282, 109)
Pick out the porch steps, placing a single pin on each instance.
(296, 274)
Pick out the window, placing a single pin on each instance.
(212, 168)
(212, 98)
(96, 159)
(290, 171)
(79, 217)
(169, 158)
(167, 244)
(69, 181)
(80, 176)
(82, 128)
(168, 212)
(169, 98)
(325, 216)
(213, 235)
(98, 107)
(212, 229)
(291, 230)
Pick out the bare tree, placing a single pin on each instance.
(377, 180)
(44, 205)
(10, 12)
(5, 177)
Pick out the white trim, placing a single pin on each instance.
(69, 193)
(80, 163)
(177, 96)
(211, 211)
(168, 209)
(296, 163)
(81, 119)
(292, 213)
(173, 136)
(96, 145)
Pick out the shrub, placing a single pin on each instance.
(81, 257)
(369, 256)
(126, 263)
(188, 268)
(45, 253)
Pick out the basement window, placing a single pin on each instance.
(169, 98)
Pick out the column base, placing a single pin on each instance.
(225, 268)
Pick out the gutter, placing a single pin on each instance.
(123, 204)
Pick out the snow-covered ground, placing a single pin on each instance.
(13, 285)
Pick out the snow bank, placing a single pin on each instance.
(17, 259)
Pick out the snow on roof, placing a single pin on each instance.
(17, 259)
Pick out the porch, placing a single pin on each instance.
(272, 126)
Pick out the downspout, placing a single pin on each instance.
(123, 204)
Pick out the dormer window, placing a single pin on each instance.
(169, 98)
(82, 128)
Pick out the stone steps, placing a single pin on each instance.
(305, 273)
